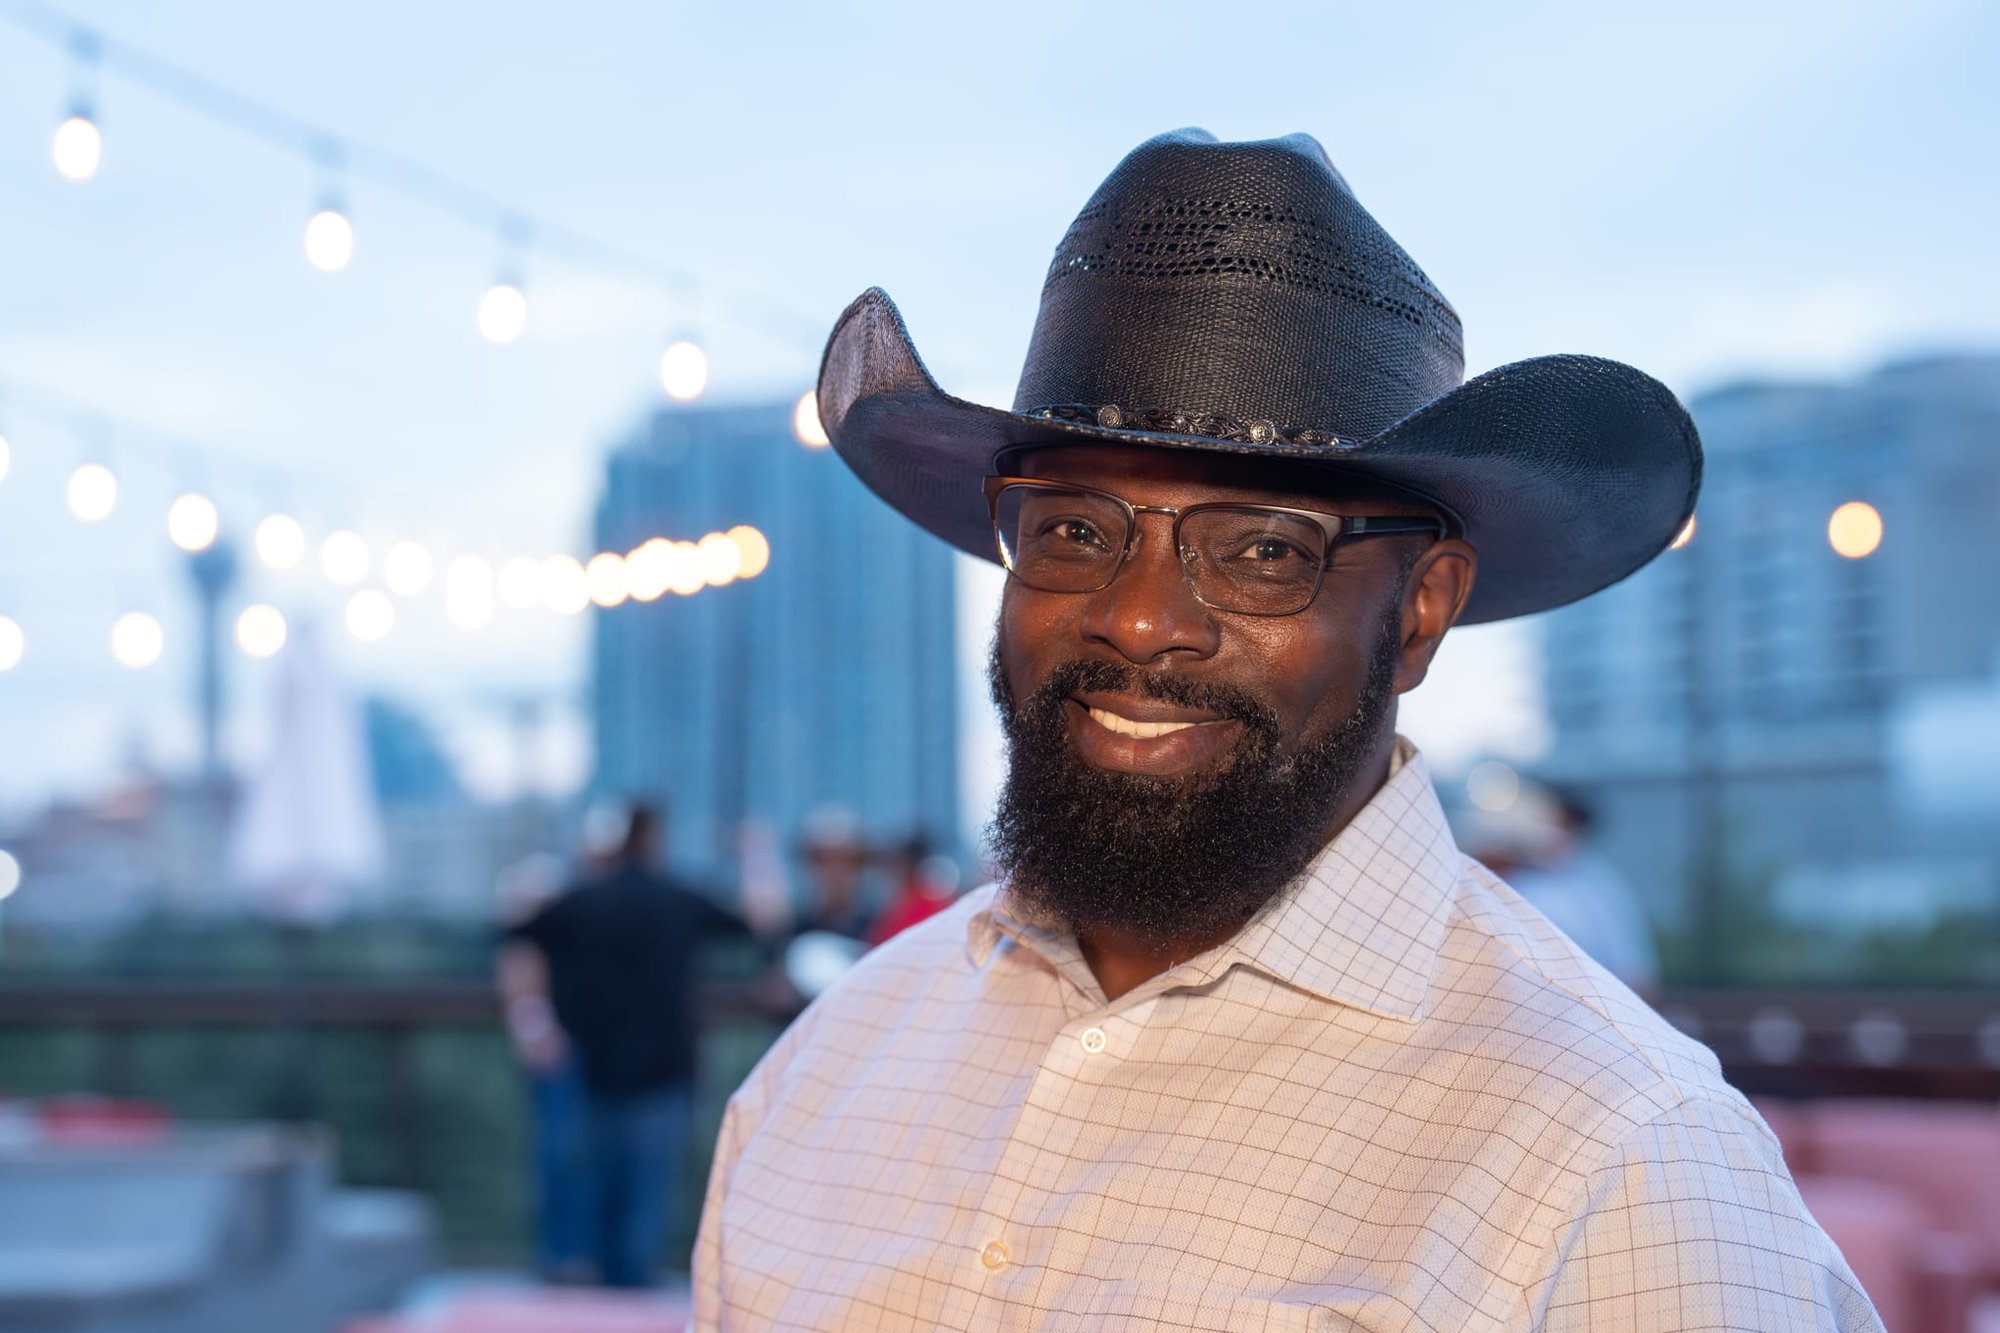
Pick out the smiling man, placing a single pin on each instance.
(1242, 1041)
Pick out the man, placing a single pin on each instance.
(618, 956)
(1243, 1042)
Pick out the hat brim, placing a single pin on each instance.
(1567, 473)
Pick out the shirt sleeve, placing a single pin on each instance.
(1695, 1225)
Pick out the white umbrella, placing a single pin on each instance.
(309, 825)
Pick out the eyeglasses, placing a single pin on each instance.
(1253, 560)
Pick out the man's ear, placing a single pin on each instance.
(1434, 593)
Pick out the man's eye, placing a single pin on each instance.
(1273, 550)
(1074, 531)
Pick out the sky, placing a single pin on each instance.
(1709, 191)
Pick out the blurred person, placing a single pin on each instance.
(1243, 1040)
(836, 857)
(618, 954)
(559, 1132)
(922, 886)
(1544, 852)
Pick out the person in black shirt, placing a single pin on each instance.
(618, 956)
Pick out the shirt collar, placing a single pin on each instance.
(1361, 926)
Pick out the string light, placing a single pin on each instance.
(503, 313)
(407, 569)
(280, 542)
(370, 615)
(685, 577)
(1855, 530)
(13, 644)
(565, 589)
(756, 550)
(521, 582)
(6, 457)
(1684, 536)
(260, 630)
(10, 874)
(721, 560)
(343, 557)
(806, 424)
(606, 577)
(137, 640)
(78, 147)
(329, 240)
(93, 493)
(468, 592)
(649, 569)
(683, 371)
(192, 523)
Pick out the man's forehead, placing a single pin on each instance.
(1229, 476)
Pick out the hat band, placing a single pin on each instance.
(1211, 425)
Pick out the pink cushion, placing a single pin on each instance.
(1879, 1229)
(1946, 1156)
(1790, 1122)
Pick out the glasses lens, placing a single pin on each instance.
(1253, 560)
(1059, 540)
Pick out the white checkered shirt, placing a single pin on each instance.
(1398, 1099)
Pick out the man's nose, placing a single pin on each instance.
(1150, 609)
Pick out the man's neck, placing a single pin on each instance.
(1124, 960)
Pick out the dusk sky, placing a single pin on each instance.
(1709, 191)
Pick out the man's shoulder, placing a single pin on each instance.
(1546, 1010)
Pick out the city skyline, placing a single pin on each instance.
(1713, 204)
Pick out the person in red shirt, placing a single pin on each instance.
(925, 885)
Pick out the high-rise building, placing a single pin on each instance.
(1790, 702)
(830, 678)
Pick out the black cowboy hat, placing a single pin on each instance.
(1235, 297)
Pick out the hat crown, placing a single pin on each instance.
(1238, 279)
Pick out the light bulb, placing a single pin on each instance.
(503, 313)
(370, 615)
(137, 640)
(721, 559)
(407, 569)
(329, 240)
(343, 557)
(521, 582)
(78, 148)
(1855, 529)
(565, 589)
(468, 592)
(93, 492)
(13, 644)
(281, 542)
(683, 371)
(192, 522)
(607, 579)
(805, 422)
(260, 630)
(756, 550)
(6, 457)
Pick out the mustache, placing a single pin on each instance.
(1082, 676)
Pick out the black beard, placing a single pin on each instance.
(1175, 863)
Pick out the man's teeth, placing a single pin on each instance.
(1125, 726)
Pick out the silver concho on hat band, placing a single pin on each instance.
(1209, 425)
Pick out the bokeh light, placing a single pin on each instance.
(649, 569)
(1684, 536)
(93, 492)
(78, 148)
(684, 574)
(756, 550)
(280, 541)
(607, 578)
(343, 557)
(407, 569)
(6, 457)
(565, 590)
(13, 644)
(137, 640)
(329, 240)
(805, 422)
(1855, 529)
(370, 615)
(10, 874)
(521, 582)
(503, 313)
(192, 522)
(1493, 786)
(683, 371)
(260, 630)
(721, 559)
(468, 592)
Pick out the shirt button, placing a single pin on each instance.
(1092, 1039)
(994, 1256)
